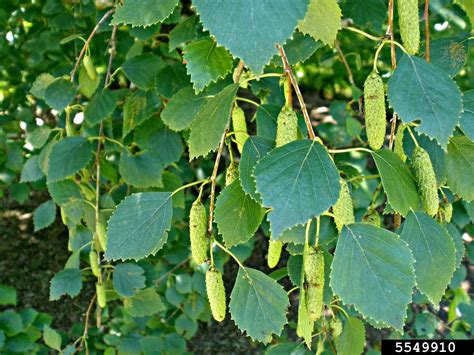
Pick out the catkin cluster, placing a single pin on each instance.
(240, 127)
(409, 23)
(343, 211)
(197, 232)
(426, 180)
(274, 252)
(314, 276)
(287, 126)
(216, 293)
(375, 116)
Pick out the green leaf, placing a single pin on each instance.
(166, 144)
(298, 48)
(421, 91)
(142, 69)
(384, 269)
(299, 181)
(11, 322)
(467, 117)
(65, 282)
(258, 304)
(372, 14)
(184, 31)
(128, 279)
(65, 191)
(87, 86)
(101, 106)
(322, 21)
(266, 117)
(59, 94)
(431, 246)
(181, 110)
(468, 7)
(206, 62)
(144, 303)
(460, 166)
(44, 215)
(139, 226)
(237, 215)
(352, 339)
(143, 12)
(398, 182)
(138, 108)
(250, 29)
(31, 170)
(458, 243)
(254, 149)
(52, 338)
(7, 296)
(143, 169)
(211, 121)
(40, 84)
(67, 157)
(171, 79)
(449, 54)
(38, 137)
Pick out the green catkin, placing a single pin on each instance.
(372, 217)
(240, 127)
(274, 252)
(101, 235)
(287, 126)
(426, 180)
(375, 116)
(216, 293)
(89, 67)
(409, 24)
(197, 232)
(446, 211)
(336, 326)
(101, 295)
(94, 261)
(231, 173)
(314, 275)
(343, 211)
(398, 143)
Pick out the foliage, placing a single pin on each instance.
(123, 143)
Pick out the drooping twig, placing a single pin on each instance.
(291, 76)
(88, 41)
(86, 324)
(390, 33)
(427, 30)
(344, 61)
(237, 75)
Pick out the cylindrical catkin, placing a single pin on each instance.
(274, 252)
(375, 115)
(197, 232)
(89, 66)
(101, 295)
(240, 127)
(101, 233)
(314, 276)
(287, 126)
(343, 211)
(426, 180)
(94, 261)
(231, 173)
(398, 143)
(373, 218)
(409, 23)
(216, 293)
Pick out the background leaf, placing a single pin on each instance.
(459, 165)
(139, 226)
(299, 181)
(181, 110)
(67, 281)
(67, 157)
(128, 279)
(384, 268)
(352, 339)
(143, 12)
(44, 215)
(258, 304)
(467, 117)
(323, 20)
(100, 107)
(59, 93)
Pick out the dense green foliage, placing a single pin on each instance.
(126, 114)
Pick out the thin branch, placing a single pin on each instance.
(390, 33)
(86, 324)
(291, 76)
(427, 29)
(344, 61)
(213, 182)
(89, 39)
(239, 71)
